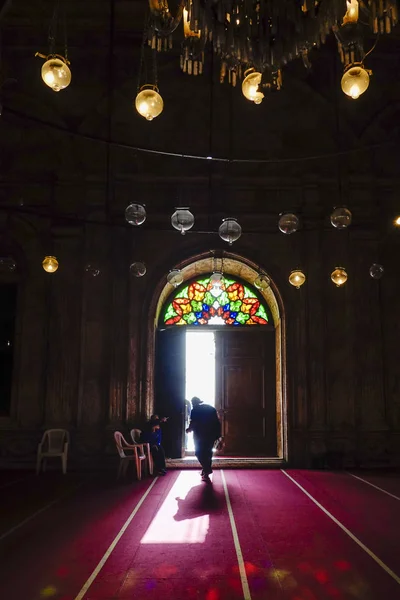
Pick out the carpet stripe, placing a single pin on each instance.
(35, 514)
(242, 568)
(13, 482)
(375, 486)
(347, 531)
(111, 547)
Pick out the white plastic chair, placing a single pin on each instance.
(54, 443)
(135, 435)
(136, 457)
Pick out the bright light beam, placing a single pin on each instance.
(165, 529)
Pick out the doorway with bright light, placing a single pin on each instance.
(199, 372)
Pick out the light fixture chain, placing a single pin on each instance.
(142, 63)
(65, 32)
(155, 75)
(53, 28)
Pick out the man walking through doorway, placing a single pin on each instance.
(206, 429)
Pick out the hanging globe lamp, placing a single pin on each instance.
(262, 282)
(376, 271)
(55, 71)
(50, 264)
(355, 80)
(339, 276)
(135, 214)
(341, 217)
(251, 86)
(175, 277)
(230, 230)
(92, 270)
(351, 15)
(297, 278)
(182, 220)
(148, 102)
(217, 279)
(288, 223)
(7, 264)
(138, 269)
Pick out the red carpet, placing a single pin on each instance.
(180, 542)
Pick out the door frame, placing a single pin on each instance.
(246, 270)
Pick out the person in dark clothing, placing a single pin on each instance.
(206, 429)
(152, 435)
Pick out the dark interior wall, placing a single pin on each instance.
(81, 348)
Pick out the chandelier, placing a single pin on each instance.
(254, 40)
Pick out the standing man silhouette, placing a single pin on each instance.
(206, 429)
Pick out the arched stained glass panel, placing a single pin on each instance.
(228, 302)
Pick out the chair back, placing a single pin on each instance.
(135, 435)
(120, 442)
(55, 440)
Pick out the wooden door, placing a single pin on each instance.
(246, 391)
(170, 388)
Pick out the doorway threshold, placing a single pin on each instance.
(229, 462)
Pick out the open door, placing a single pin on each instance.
(170, 388)
(246, 391)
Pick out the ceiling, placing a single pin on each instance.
(88, 135)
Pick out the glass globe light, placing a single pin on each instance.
(339, 276)
(229, 230)
(288, 223)
(376, 271)
(182, 220)
(297, 278)
(50, 264)
(138, 269)
(355, 80)
(217, 279)
(397, 221)
(56, 73)
(251, 86)
(341, 217)
(135, 214)
(262, 282)
(92, 270)
(7, 264)
(148, 102)
(175, 277)
(351, 15)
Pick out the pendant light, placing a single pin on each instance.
(56, 73)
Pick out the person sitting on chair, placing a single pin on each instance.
(152, 435)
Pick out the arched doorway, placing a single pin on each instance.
(250, 361)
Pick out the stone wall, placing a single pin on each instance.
(82, 348)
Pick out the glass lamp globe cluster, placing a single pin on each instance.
(230, 231)
(340, 218)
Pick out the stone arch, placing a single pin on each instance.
(236, 266)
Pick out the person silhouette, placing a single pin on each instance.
(206, 429)
(152, 435)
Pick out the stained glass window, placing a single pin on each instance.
(204, 302)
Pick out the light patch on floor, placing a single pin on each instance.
(167, 527)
